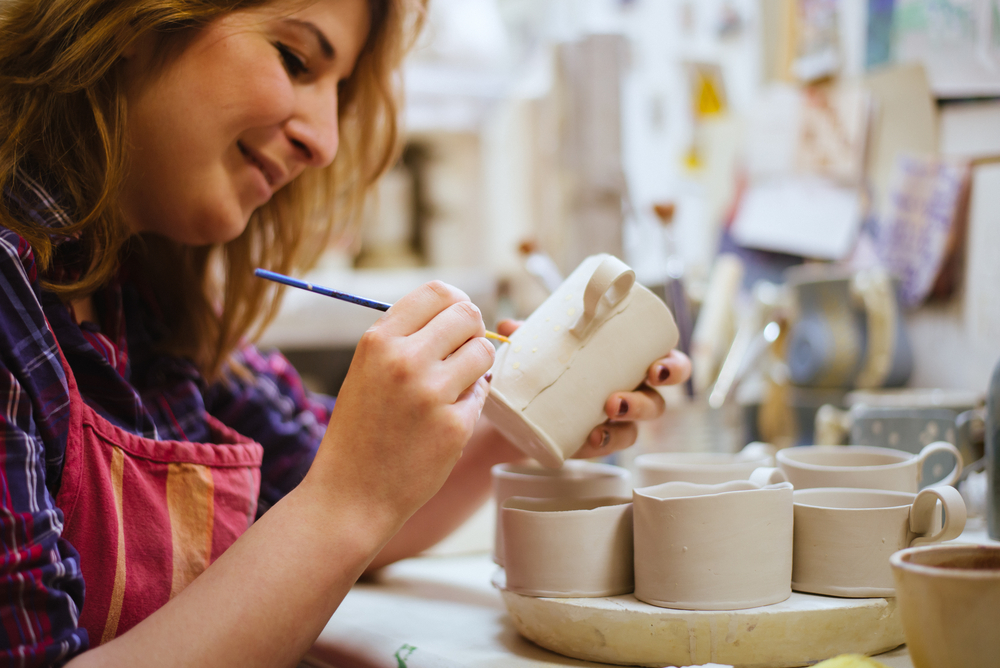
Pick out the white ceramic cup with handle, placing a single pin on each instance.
(845, 536)
(862, 466)
(595, 335)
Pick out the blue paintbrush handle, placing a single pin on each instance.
(319, 289)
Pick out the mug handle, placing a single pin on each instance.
(922, 515)
(613, 279)
(767, 475)
(942, 446)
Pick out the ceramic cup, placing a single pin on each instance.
(595, 335)
(844, 537)
(568, 547)
(713, 547)
(862, 466)
(705, 468)
(949, 601)
(576, 479)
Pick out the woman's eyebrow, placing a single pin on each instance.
(324, 43)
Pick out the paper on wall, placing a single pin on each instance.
(808, 216)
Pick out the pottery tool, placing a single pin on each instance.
(343, 296)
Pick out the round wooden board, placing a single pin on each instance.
(622, 630)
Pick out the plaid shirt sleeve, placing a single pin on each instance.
(272, 406)
(41, 587)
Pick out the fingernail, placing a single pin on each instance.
(605, 439)
(622, 408)
(663, 374)
(488, 376)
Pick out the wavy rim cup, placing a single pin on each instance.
(697, 490)
(562, 504)
(902, 560)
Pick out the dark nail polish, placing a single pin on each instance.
(488, 376)
(663, 374)
(622, 408)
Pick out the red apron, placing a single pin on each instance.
(148, 516)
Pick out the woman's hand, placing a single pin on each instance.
(624, 408)
(409, 403)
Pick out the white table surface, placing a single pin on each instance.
(444, 606)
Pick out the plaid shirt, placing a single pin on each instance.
(119, 375)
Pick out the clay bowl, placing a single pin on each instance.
(949, 597)
(568, 548)
(703, 468)
(576, 479)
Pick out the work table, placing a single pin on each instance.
(444, 606)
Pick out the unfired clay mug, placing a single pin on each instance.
(862, 466)
(949, 600)
(704, 468)
(713, 547)
(844, 537)
(568, 547)
(595, 335)
(576, 479)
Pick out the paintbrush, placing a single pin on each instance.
(343, 296)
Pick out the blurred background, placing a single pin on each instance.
(813, 186)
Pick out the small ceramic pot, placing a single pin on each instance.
(568, 548)
(949, 600)
(713, 547)
(595, 335)
(704, 468)
(862, 466)
(576, 479)
(844, 537)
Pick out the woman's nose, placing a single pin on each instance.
(313, 130)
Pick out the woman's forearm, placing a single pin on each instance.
(466, 489)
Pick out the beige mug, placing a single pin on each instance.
(862, 466)
(568, 548)
(595, 335)
(845, 536)
(576, 479)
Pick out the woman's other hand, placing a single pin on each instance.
(625, 408)
(409, 403)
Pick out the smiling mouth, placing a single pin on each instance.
(250, 157)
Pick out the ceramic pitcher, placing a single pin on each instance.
(713, 547)
(595, 335)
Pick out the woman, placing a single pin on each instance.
(152, 153)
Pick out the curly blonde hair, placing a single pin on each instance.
(62, 114)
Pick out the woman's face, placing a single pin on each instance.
(247, 105)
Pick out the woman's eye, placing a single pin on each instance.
(292, 62)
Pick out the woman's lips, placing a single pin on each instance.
(268, 170)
